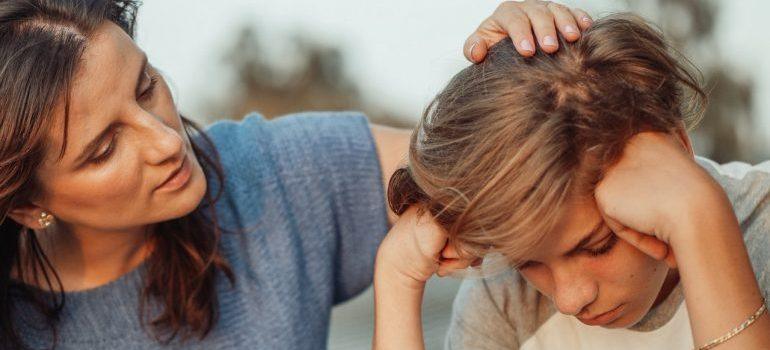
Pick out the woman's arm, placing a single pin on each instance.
(657, 194)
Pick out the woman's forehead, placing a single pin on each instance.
(104, 79)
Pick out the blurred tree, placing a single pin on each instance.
(311, 79)
(728, 130)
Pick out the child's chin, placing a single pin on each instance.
(625, 321)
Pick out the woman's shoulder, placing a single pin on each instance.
(295, 145)
(229, 133)
(306, 191)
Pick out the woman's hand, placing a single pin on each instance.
(518, 19)
(414, 249)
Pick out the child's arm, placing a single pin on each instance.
(414, 249)
(658, 189)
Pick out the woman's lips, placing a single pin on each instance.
(177, 179)
(605, 318)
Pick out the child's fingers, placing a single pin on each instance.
(449, 252)
(648, 244)
(670, 259)
(448, 266)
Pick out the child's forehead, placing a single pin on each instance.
(577, 223)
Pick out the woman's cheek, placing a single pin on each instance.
(117, 180)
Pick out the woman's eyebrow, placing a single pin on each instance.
(587, 238)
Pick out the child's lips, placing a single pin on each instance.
(604, 318)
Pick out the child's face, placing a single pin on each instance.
(590, 273)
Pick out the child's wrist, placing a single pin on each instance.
(387, 275)
(711, 214)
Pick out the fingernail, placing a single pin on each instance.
(549, 41)
(526, 46)
(570, 29)
(470, 51)
(586, 19)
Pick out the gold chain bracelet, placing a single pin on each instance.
(738, 329)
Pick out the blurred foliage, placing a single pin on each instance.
(314, 80)
(728, 130)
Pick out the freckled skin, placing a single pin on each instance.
(591, 285)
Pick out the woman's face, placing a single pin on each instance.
(590, 273)
(124, 140)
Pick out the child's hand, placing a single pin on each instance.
(415, 249)
(656, 195)
(654, 189)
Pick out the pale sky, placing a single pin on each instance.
(399, 52)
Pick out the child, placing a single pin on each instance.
(577, 169)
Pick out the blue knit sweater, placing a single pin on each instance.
(307, 191)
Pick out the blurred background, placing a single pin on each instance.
(388, 59)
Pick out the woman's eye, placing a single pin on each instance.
(604, 248)
(148, 92)
(104, 156)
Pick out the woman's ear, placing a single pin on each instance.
(684, 139)
(29, 216)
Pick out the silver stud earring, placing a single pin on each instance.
(45, 219)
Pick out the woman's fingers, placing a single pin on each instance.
(542, 21)
(565, 21)
(518, 20)
(583, 19)
(514, 21)
(475, 48)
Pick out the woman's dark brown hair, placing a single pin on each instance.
(41, 44)
(502, 147)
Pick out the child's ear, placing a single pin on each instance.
(29, 216)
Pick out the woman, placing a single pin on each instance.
(576, 169)
(124, 226)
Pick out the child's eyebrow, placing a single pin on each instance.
(587, 238)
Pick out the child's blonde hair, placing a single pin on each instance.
(502, 147)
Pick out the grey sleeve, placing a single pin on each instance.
(748, 188)
(479, 321)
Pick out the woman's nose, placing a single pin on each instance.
(162, 141)
(573, 291)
